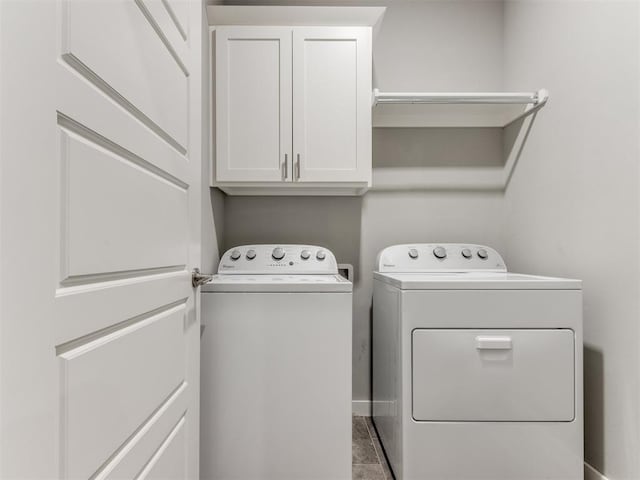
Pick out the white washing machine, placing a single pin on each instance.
(477, 372)
(276, 366)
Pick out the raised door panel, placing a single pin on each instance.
(104, 233)
(179, 10)
(253, 104)
(332, 104)
(169, 462)
(158, 432)
(114, 384)
(166, 24)
(116, 44)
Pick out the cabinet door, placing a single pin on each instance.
(253, 104)
(332, 104)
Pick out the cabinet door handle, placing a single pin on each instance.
(285, 167)
(298, 167)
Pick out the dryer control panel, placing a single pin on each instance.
(275, 259)
(439, 257)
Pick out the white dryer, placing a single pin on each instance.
(276, 366)
(477, 372)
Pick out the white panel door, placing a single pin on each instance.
(332, 104)
(253, 104)
(100, 146)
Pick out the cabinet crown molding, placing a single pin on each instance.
(295, 16)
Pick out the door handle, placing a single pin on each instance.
(285, 166)
(494, 343)
(198, 278)
(298, 167)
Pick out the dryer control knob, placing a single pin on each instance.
(413, 253)
(321, 255)
(482, 253)
(466, 253)
(235, 255)
(439, 252)
(251, 254)
(278, 253)
(305, 254)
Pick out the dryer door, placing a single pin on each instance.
(493, 375)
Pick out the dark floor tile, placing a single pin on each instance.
(359, 428)
(370, 427)
(386, 470)
(362, 451)
(388, 475)
(383, 460)
(367, 472)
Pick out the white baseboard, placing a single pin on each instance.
(591, 473)
(361, 408)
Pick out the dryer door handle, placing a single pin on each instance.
(494, 342)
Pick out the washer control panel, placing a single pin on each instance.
(439, 257)
(270, 259)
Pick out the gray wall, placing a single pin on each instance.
(427, 45)
(572, 205)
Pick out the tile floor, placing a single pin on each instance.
(367, 457)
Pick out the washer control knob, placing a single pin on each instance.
(278, 253)
(482, 253)
(235, 255)
(251, 254)
(466, 253)
(305, 254)
(321, 255)
(413, 253)
(440, 252)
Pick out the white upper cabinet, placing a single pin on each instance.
(292, 106)
(253, 104)
(332, 104)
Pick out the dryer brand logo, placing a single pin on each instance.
(227, 267)
(388, 264)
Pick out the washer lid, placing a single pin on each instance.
(278, 283)
(475, 281)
